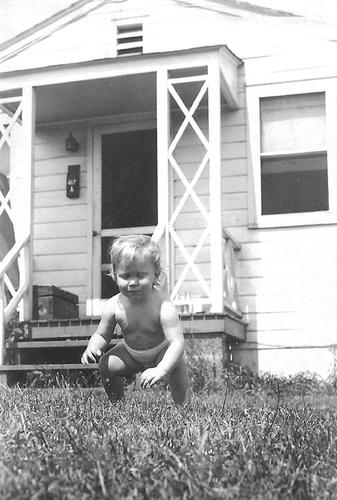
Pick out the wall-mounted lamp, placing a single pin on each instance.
(71, 143)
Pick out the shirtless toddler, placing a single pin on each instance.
(153, 342)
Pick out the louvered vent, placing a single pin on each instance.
(129, 39)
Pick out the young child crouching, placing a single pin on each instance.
(153, 342)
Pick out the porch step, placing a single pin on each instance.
(47, 367)
(64, 334)
(38, 344)
(33, 346)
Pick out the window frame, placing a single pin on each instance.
(254, 95)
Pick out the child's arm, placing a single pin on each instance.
(173, 332)
(103, 334)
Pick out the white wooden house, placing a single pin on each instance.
(211, 125)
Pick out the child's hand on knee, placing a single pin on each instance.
(150, 376)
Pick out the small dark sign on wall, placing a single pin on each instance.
(73, 181)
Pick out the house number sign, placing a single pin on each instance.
(73, 181)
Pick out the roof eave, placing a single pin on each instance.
(223, 49)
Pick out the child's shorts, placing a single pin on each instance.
(138, 360)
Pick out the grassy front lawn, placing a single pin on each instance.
(257, 440)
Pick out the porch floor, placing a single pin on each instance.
(228, 323)
(74, 333)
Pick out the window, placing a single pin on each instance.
(293, 154)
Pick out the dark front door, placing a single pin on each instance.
(128, 191)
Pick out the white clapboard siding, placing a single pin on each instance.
(234, 117)
(59, 214)
(310, 289)
(60, 223)
(234, 166)
(289, 361)
(57, 151)
(284, 320)
(56, 246)
(53, 166)
(231, 218)
(234, 201)
(62, 279)
(234, 184)
(60, 229)
(290, 338)
(63, 262)
(266, 269)
(54, 182)
(276, 303)
(255, 285)
(232, 133)
(53, 198)
(286, 276)
(56, 135)
(290, 250)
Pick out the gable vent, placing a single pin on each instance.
(129, 39)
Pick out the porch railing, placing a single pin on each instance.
(229, 247)
(9, 297)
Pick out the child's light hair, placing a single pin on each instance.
(134, 249)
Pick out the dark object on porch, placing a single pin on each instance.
(51, 302)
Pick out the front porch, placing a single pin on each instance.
(57, 345)
(61, 240)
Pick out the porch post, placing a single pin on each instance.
(28, 125)
(214, 110)
(163, 131)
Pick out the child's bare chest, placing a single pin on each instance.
(141, 327)
(131, 321)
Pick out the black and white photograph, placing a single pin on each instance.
(168, 249)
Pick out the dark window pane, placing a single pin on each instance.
(105, 248)
(294, 184)
(129, 179)
(108, 286)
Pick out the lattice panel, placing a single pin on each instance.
(10, 117)
(190, 180)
